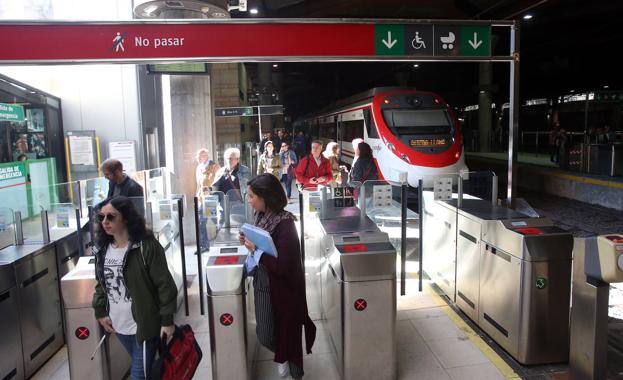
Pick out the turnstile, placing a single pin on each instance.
(505, 271)
(38, 303)
(12, 363)
(358, 296)
(83, 332)
(231, 312)
(597, 262)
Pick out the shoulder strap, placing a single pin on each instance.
(368, 170)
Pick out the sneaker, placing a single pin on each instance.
(283, 369)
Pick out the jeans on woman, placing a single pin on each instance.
(286, 179)
(135, 349)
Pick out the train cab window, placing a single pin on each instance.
(406, 122)
(370, 126)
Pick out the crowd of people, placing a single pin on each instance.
(135, 296)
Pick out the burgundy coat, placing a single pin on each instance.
(287, 295)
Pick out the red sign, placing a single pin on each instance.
(82, 333)
(529, 231)
(360, 304)
(615, 238)
(227, 319)
(226, 260)
(355, 248)
(135, 41)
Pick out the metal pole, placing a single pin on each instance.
(91, 224)
(302, 219)
(79, 232)
(513, 119)
(459, 185)
(199, 268)
(45, 227)
(180, 223)
(403, 239)
(259, 121)
(420, 207)
(494, 190)
(19, 229)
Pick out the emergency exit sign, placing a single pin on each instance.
(11, 112)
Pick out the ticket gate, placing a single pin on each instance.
(12, 363)
(83, 333)
(231, 312)
(507, 271)
(597, 262)
(358, 296)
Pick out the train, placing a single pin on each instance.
(410, 131)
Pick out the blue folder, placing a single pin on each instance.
(261, 238)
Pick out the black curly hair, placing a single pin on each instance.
(134, 221)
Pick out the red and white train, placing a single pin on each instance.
(409, 131)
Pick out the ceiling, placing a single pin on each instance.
(567, 45)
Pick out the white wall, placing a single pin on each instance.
(103, 98)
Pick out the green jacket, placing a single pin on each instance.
(151, 286)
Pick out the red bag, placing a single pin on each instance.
(179, 358)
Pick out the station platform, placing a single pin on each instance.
(537, 173)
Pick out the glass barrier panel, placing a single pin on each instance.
(479, 185)
(238, 208)
(61, 220)
(7, 227)
(211, 217)
(438, 228)
(96, 190)
(155, 183)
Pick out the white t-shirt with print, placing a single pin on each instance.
(119, 298)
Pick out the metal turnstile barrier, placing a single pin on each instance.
(12, 363)
(83, 332)
(358, 281)
(231, 312)
(505, 271)
(597, 262)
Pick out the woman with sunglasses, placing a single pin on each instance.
(279, 282)
(135, 295)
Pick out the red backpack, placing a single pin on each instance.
(179, 359)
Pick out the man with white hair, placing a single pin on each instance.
(356, 150)
(233, 175)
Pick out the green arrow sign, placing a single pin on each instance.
(389, 39)
(541, 283)
(11, 112)
(475, 41)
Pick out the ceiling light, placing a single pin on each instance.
(527, 16)
(275, 65)
(606, 86)
(253, 11)
(416, 65)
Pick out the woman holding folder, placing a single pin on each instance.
(279, 280)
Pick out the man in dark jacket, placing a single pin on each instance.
(119, 183)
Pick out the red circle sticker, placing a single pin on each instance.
(361, 304)
(82, 333)
(227, 319)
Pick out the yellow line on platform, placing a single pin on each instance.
(592, 181)
(497, 361)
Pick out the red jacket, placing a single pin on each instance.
(308, 169)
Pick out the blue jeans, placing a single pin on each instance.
(135, 349)
(286, 179)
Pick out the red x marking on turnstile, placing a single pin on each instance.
(360, 304)
(82, 333)
(227, 319)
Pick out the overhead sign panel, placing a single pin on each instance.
(239, 40)
(267, 110)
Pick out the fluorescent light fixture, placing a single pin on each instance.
(275, 65)
(253, 11)
(527, 16)
(606, 86)
(416, 65)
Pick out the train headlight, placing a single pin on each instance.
(456, 155)
(405, 157)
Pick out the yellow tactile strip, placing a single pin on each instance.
(497, 361)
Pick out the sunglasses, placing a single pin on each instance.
(101, 217)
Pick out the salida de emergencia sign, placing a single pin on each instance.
(10, 172)
(11, 112)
